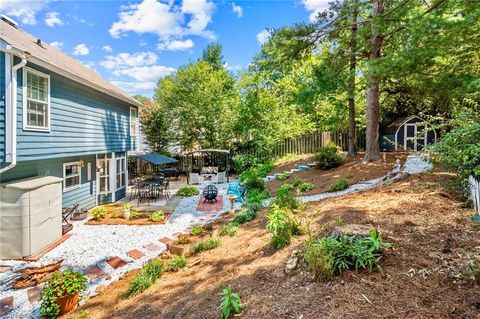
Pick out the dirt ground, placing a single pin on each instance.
(432, 241)
(353, 170)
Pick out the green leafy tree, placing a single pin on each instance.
(156, 126)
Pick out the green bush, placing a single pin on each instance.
(229, 229)
(187, 191)
(210, 243)
(196, 230)
(264, 169)
(285, 198)
(328, 157)
(296, 182)
(99, 213)
(157, 216)
(305, 187)
(338, 185)
(332, 255)
(177, 263)
(283, 176)
(244, 215)
(146, 277)
(243, 162)
(256, 195)
(281, 225)
(134, 214)
(230, 303)
(60, 283)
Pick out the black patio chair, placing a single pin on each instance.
(66, 215)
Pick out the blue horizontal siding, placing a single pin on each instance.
(83, 121)
(84, 195)
(2, 107)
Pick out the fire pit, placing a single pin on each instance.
(210, 193)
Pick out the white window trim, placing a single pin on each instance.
(136, 136)
(79, 176)
(24, 92)
(121, 172)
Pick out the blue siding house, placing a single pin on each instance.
(59, 118)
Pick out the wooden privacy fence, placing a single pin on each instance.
(475, 192)
(306, 144)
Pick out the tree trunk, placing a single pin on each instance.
(372, 151)
(351, 82)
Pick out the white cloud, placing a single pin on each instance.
(52, 19)
(133, 88)
(107, 48)
(56, 44)
(166, 20)
(146, 73)
(81, 49)
(237, 10)
(315, 6)
(263, 36)
(125, 60)
(176, 45)
(24, 10)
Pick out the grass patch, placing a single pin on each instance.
(146, 277)
(338, 185)
(177, 263)
(207, 245)
(229, 229)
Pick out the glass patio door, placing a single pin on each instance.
(103, 176)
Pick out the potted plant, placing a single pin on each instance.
(126, 211)
(61, 291)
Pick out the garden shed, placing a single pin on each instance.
(410, 133)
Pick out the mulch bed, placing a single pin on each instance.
(115, 217)
(432, 240)
(353, 169)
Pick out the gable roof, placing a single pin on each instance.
(55, 60)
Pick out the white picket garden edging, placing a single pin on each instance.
(475, 192)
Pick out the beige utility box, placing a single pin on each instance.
(30, 216)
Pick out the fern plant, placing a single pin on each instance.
(230, 303)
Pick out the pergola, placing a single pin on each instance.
(190, 159)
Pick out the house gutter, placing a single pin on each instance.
(11, 131)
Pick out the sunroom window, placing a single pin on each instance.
(37, 108)
(71, 175)
(121, 173)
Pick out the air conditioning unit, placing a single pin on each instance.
(30, 216)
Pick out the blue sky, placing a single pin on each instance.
(134, 43)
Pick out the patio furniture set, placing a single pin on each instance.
(150, 188)
(208, 174)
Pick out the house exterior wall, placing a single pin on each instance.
(82, 121)
(83, 195)
(2, 107)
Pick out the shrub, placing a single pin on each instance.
(127, 207)
(146, 277)
(60, 283)
(283, 176)
(230, 303)
(243, 162)
(157, 216)
(177, 263)
(338, 185)
(257, 196)
(134, 214)
(264, 169)
(182, 239)
(244, 215)
(281, 225)
(252, 179)
(332, 255)
(99, 213)
(296, 181)
(230, 229)
(285, 198)
(187, 191)
(328, 157)
(305, 187)
(196, 230)
(207, 245)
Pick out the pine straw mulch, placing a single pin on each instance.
(353, 169)
(114, 216)
(432, 239)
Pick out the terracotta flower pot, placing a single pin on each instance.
(67, 303)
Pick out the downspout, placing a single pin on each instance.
(13, 108)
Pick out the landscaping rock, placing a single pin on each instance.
(294, 263)
(354, 231)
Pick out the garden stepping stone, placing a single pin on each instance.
(152, 247)
(135, 254)
(4, 268)
(116, 262)
(34, 293)
(6, 306)
(166, 240)
(94, 272)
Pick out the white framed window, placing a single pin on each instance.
(72, 175)
(36, 100)
(133, 121)
(103, 175)
(121, 173)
